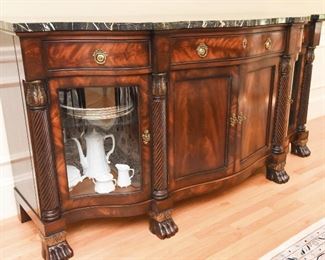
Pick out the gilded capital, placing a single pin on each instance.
(159, 87)
(36, 97)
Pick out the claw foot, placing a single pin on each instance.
(162, 225)
(55, 247)
(278, 176)
(300, 150)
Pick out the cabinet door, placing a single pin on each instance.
(200, 138)
(256, 101)
(97, 124)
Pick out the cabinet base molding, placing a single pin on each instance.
(55, 247)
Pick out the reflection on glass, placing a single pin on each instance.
(100, 132)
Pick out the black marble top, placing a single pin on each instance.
(129, 26)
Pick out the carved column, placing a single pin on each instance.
(312, 38)
(37, 104)
(54, 246)
(298, 146)
(161, 222)
(275, 167)
(160, 178)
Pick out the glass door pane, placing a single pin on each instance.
(101, 139)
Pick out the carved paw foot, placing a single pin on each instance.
(300, 150)
(164, 229)
(278, 176)
(60, 251)
(56, 247)
(162, 225)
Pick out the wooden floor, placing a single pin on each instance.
(244, 222)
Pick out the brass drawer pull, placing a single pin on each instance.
(202, 50)
(146, 136)
(245, 43)
(268, 44)
(100, 56)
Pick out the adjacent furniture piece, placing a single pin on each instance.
(127, 119)
(301, 87)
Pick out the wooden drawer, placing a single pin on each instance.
(81, 54)
(186, 49)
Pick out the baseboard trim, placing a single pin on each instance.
(7, 198)
(9, 182)
(16, 157)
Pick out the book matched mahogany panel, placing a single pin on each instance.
(199, 106)
(195, 151)
(221, 47)
(257, 92)
(256, 103)
(75, 54)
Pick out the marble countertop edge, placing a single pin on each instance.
(140, 26)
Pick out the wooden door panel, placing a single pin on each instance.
(200, 139)
(256, 103)
(254, 129)
(200, 127)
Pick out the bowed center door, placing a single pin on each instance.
(257, 97)
(200, 136)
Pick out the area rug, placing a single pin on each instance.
(309, 244)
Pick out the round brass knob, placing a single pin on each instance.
(100, 56)
(268, 43)
(202, 50)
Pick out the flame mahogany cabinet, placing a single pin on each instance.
(210, 107)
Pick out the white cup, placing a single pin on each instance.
(124, 178)
(104, 184)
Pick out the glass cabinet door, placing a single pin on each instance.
(100, 128)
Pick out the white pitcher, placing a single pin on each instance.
(95, 164)
(124, 178)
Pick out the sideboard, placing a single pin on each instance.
(126, 119)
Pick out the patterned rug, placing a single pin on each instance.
(306, 245)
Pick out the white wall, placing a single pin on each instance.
(14, 153)
(154, 10)
(317, 91)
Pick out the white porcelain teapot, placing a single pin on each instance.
(96, 163)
